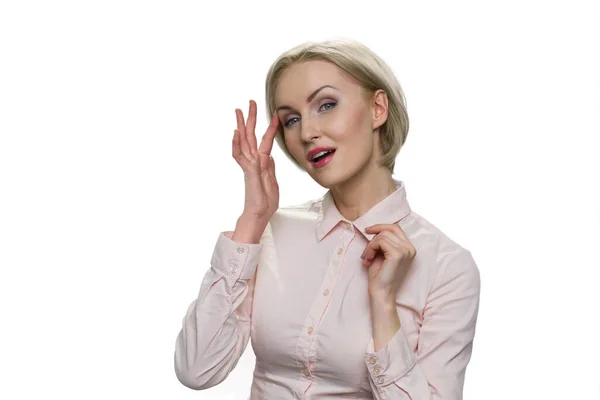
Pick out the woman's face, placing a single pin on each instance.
(320, 106)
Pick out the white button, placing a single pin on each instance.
(326, 292)
(240, 249)
(376, 371)
(380, 380)
(340, 250)
(372, 360)
(348, 226)
(310, 330)
(234, 270)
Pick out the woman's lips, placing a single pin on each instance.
(324, 161)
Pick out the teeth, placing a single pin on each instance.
(319, 154)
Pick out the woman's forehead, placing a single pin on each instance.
(299, 80)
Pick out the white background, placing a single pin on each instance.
(116, 177)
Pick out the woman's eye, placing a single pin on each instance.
(324, 107)
(327, 106)
(289, 121)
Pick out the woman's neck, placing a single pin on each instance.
(362, 192)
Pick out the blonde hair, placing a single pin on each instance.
(371, 72)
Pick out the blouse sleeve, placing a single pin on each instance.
(216, 327)
(437, 370)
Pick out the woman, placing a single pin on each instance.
(352, 295)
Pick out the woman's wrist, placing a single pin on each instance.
(248, 229)
(384, 320)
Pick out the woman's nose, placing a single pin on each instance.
(310, 131)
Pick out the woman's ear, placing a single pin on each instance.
(380, 108)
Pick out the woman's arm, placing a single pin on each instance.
(437, 370)
(216, 327)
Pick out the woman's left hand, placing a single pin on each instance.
(387, 258)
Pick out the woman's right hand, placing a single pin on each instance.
(262, 189)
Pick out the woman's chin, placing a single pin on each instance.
(326, 181)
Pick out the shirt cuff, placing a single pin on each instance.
(392, 361)
(237, 260)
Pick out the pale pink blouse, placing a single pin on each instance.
(301, 297)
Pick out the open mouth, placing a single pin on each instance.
(323, 158)
(322, 155)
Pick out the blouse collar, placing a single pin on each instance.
(388, 211)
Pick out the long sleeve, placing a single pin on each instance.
(216, 327)
(437, 370)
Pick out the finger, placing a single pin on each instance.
(392, 227)
(236, 152)
(272, 170)
(266, 145)
(236, 149)
(269, 164)
(269, 178)
(251, 125)
(384, 243)
(272, 166)
(239, 116)
(370, 251)
(245, 147)
(396, 236)
(371, 254)
(393, 237)
(369, 246)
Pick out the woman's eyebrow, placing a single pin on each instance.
(308, 99)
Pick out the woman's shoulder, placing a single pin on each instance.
(419, 226)
(307, 210)
(442, 250)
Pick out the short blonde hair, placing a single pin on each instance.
(371, 72)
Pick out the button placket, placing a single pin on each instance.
(307, 342)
